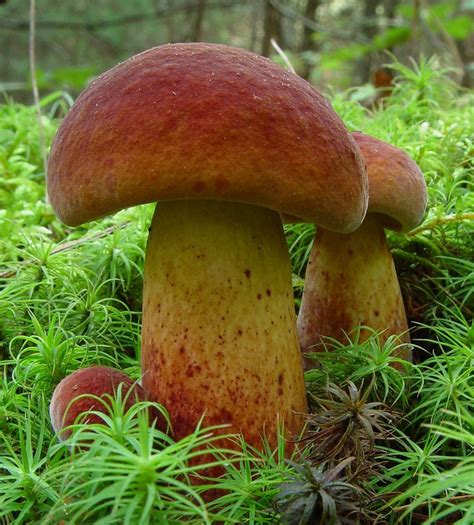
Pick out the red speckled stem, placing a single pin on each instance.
(351, 281)
(219, 328)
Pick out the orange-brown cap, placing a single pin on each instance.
(397, 188)
(205, 121)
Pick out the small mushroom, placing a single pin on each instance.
(350, 278)
(223, 139)
(97, 381)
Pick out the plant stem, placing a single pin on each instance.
(34, 85)
(458, 217)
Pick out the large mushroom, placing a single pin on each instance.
(224, 139)
(350, 278)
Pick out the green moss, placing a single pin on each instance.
(72, 297)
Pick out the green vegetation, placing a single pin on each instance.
(397, 447)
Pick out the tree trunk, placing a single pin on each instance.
(307, 41)
(170, 27)
(369, 29)
(256, 14)
(390, 7)
(271, 27)
(197, 28)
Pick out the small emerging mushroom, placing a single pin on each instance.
(98, 381)
(350, 278)
(224, 140)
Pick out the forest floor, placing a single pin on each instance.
(71, 298)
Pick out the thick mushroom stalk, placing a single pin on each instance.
(350, 282)
(219, 330)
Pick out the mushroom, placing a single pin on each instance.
(223, 138)
(97, 381)
(351, 279)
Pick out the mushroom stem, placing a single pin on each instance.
(219, 329)
(350, 282)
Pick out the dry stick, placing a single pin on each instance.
(34, 85)
(283, 55)
(69, 245)
(458, 217)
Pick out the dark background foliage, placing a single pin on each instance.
(330, 42)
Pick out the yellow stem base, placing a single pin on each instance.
(219, 329)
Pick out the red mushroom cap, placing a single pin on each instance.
(397, 188)
(97, 381)
(205, 121)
